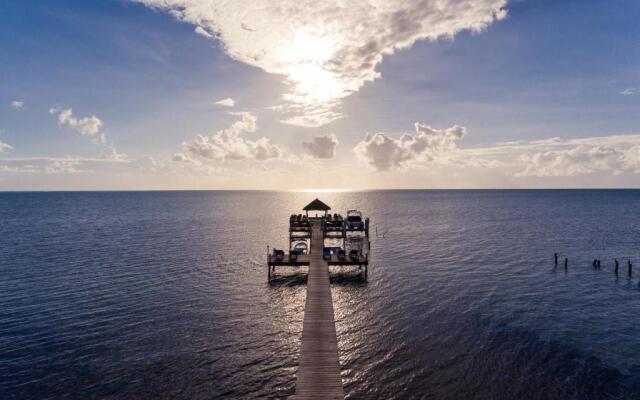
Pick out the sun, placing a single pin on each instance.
(306, 60)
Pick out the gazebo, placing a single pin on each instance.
(316, 205)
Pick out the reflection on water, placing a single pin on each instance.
(165, 295)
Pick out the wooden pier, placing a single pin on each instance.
(318, 374)
(318, 366)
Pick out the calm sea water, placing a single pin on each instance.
(165, 295)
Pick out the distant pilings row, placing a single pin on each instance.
(596, 264)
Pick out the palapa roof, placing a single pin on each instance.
(316, 205)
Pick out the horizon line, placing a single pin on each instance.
(309, 190)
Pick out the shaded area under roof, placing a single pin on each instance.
(316, 205)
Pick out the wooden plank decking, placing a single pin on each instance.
(318, 365)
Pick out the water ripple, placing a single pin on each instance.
(164, 295)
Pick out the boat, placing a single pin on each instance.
(354, 220)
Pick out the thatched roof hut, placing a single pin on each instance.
(316, 205)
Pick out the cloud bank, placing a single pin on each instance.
(59, 165)
(383, 152)
(229, 145)
(326, 50)
(582, 159)
(323, 147)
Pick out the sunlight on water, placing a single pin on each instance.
(321, 190)
(165, 295)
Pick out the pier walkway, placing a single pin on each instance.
(318, 365)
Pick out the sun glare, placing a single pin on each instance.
(309, 48)
(313, 83)
(306, 62)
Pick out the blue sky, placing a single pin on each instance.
(546, 69)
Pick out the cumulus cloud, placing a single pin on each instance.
(384, 152)
(185, 159)
(553, 157)
(17, 105)
(321, 146)
(229, 145)
(228, 102)
(180, 157)
(88, 126)
(326, 50)
(628, 91)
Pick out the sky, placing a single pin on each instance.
(285, 95)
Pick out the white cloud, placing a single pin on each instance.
(228, 145)
(321, 146)
(384, 152)
(228, 102)
(628, 91)
(113, 154)
(64, 167)
(517, 162)
(89, 126)
(180, 157)
(200, 31)
(4, 147)
(17, 105)
(582, 160)
(557, 157)
(327, 50)
(185, 159)
(57, 165)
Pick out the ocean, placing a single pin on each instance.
(127, 295)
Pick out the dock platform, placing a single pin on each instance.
(319, 243)
(318, 365)
(305, 259)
